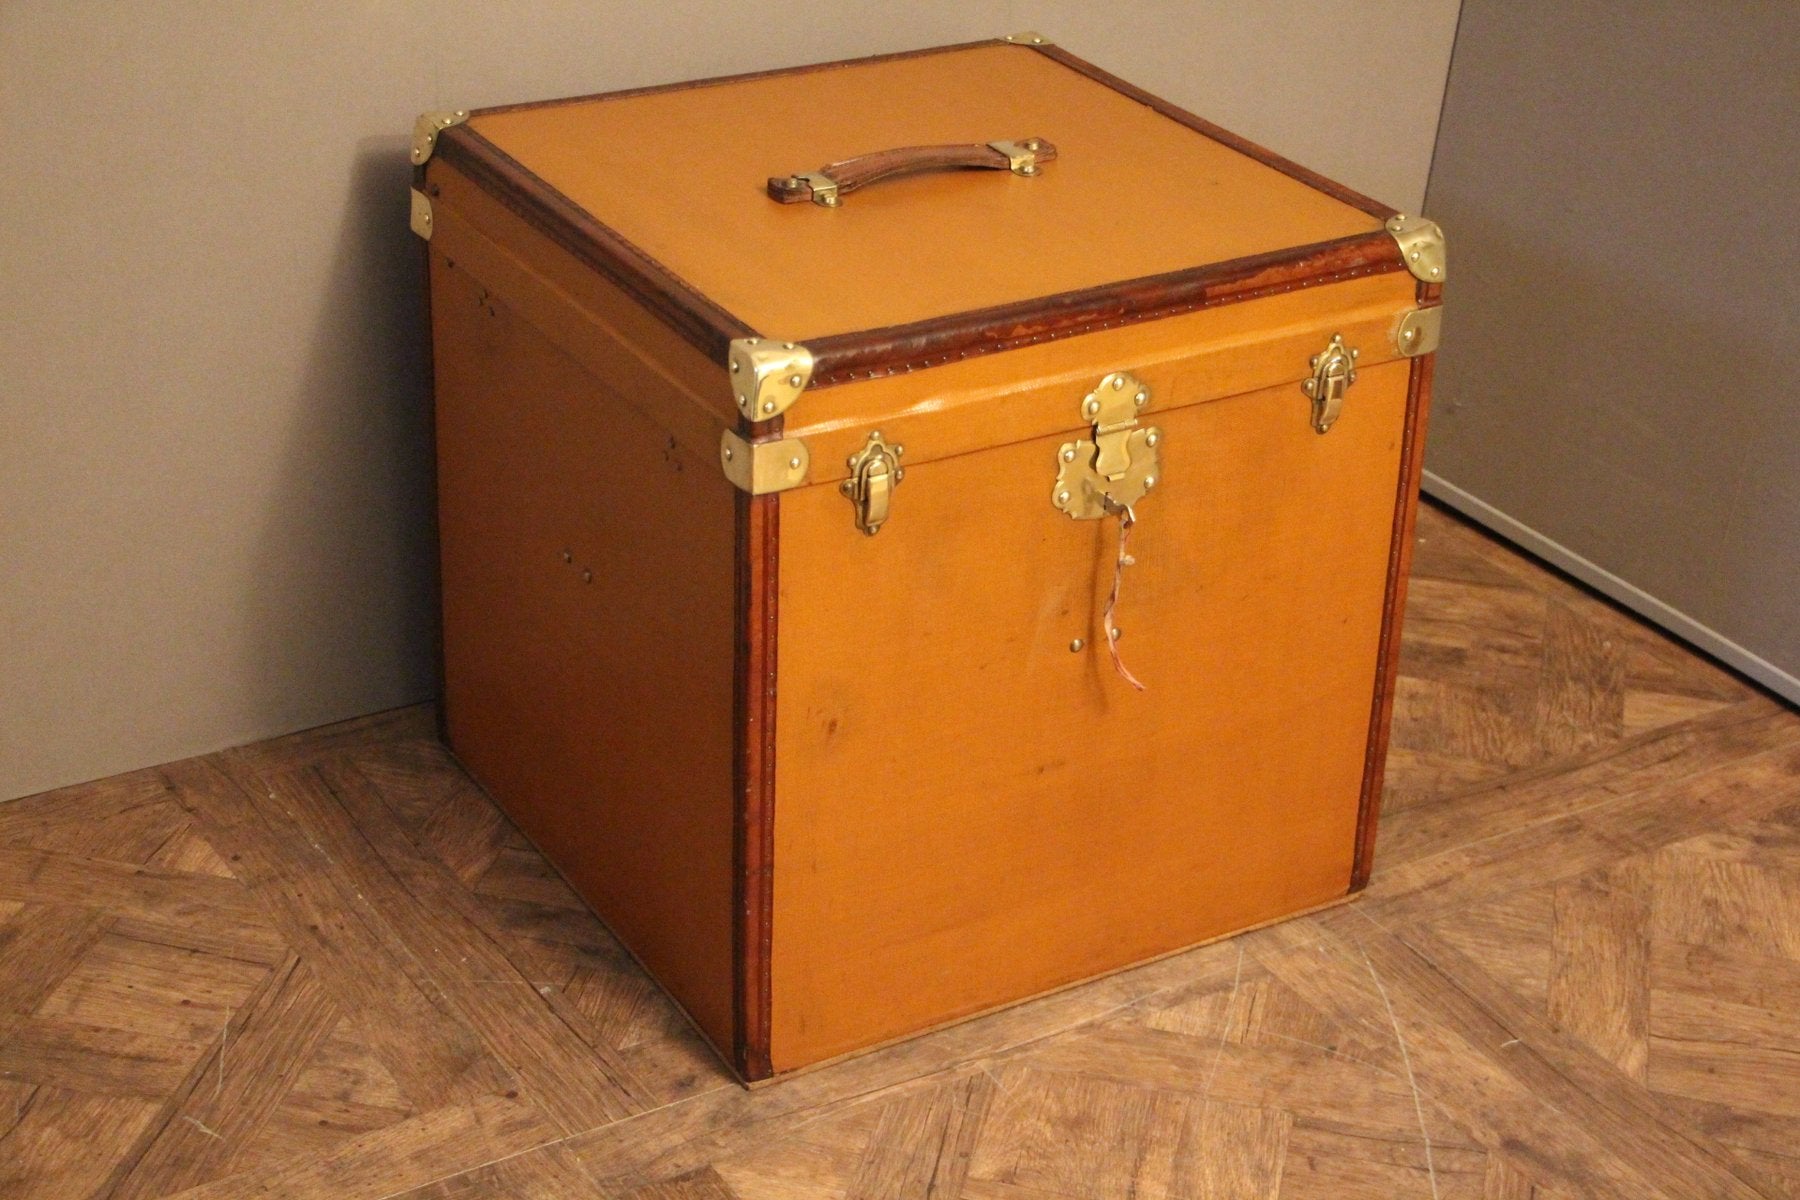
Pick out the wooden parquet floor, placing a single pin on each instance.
(325, 966)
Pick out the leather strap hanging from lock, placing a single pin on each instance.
(1127, 518)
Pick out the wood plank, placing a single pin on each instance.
(87, 1058)
(1599, 985)
(50, 877)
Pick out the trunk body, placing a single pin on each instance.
(835, 788)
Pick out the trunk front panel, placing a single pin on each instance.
(969, 812)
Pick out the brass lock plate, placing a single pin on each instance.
(1334, 370)
(1122, 460)
(875, 472)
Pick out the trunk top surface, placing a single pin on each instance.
(673, 180)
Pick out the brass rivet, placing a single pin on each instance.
(743, 399)
(1411, 334)
(793, 381)
(899, 474)
(1068, 454)
(793, 464)
(768, 406)
(787, 345)
(1415, 256)
(1115, 633)
(899, 450)
(1062, 497)
(1149, 482)
(1142, 396)
(1118, 382)
(1028, 170)
(1091, 408)
(1076, 645)
(587, 577)
(1434, 270)
(1151, 438)
(1356, 354)
(736, 366)
(567, 557)
(727, 459)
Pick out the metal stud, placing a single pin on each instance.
(768, 406)
(793, 464)
(1076, 645)
(1068, 454)
(1062, 497)
(793, 381)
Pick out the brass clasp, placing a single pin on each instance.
(875, 472)
(1334, 370)
(1120, 464)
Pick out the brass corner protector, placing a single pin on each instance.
(421, 214)
(1028, 38)
(763, 467)
(768, 375)
(1421, 245)
(1419, 331)
(426, 130)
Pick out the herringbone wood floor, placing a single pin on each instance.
(326, 967)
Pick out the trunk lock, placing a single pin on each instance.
(875, 472)
(1334, 370)
(1120, 463)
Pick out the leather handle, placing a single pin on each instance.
(831, 182)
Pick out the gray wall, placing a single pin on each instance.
(1619, 387)
(214, 520)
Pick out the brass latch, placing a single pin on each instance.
(875, 472)
(1334, 370)
(1120, 464)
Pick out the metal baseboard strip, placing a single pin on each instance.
(1709, 641)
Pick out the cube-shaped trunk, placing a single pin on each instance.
(894, 589)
